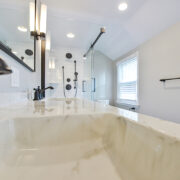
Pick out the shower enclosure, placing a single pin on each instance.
(98, 77)
(89, 82)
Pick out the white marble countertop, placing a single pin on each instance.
(77, 139)
(61, 107)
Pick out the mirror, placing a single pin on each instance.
(15, 39)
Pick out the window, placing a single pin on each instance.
(127, 80)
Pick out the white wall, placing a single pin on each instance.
(27, 80)
(102, 68)
(54, 76)
(159, 58)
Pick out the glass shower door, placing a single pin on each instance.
(88, 83)
(100, 77)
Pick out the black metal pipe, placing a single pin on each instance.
(75, 73)
(35, 19)
(102, 31)
(75, 79)
(43, 65)
(63, 82)
(75, 66)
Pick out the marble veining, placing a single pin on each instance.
(76, 139)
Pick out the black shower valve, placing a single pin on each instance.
(68, 87)
(68, 80)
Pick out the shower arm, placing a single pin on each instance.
(102, 31)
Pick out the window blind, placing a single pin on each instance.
(127, 80)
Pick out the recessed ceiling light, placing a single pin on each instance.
(70, 35)
(14, 52)
(123, 6)
(84, 57)
(22, 28)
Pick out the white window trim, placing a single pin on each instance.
(126, 102)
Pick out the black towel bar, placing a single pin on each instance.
(170, 79)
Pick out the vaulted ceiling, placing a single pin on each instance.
(125, 30)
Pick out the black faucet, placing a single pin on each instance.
(38, 94)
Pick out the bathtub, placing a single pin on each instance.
(81, 140)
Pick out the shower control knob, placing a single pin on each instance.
(68, 87)
(68, 80)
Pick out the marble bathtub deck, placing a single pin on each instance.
(82, 140)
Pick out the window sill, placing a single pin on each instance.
(129, 105)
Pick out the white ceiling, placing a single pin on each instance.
(125, 30)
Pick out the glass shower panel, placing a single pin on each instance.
(86, 83)
(98, 82)
(102, 77)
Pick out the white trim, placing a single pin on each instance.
(129, 105)
(136, 54)
(126, 102)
